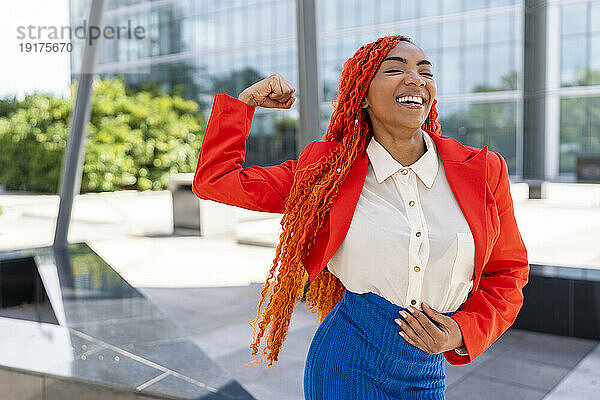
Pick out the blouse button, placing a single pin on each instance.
(404, 171)
(417, 269)
(411, 203)
(413, 302)
(418, 234)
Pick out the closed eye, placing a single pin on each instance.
(397, 70)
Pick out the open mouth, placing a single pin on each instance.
(411, 102)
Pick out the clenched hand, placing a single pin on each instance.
(271, 92)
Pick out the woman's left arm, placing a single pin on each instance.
(495, 304)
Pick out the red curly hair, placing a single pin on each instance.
(311, 197)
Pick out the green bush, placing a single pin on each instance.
(134, 139)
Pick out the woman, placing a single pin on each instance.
(417, 231)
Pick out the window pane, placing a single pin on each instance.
(503, 140)
(594, 106)
(595, 16)
(451, 6)
(239, 25)
(366, 15)
(595, 59)
(573, 18)
(429, 38)
(451, 34)
(408, 9)
(474, 31)
(518, 27)
(476, 115)
(474, 73)
(570, 147)
(330, 76)
(430, 8)
(474, 4)
(571, 132)
(573, 60)
(285, 20)
(264, 24)
(263, 61)
(497, 3)
(452, 116)
(500, 66)
(328, 50)
(594, 118)
(327, 12)
(347, 47)
(572, 112)
(502, 115)
(474, 137)
(518, 65)
(211, 33)
(349, 14)
(252, 61)
(474, 123)
(449, 81)
(386, 10)
(499, 28)
(290, 19)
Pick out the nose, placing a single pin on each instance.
(414, 77)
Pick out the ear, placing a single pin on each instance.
(364, 103)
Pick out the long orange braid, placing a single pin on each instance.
(311, 197)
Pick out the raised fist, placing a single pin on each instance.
(271, 92)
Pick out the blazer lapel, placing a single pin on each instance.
(465, 171)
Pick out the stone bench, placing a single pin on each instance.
(199, 216)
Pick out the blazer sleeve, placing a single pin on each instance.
(494, 306)
(219, 174)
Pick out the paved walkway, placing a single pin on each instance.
(210, 287)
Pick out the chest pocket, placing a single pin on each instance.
(464, 259)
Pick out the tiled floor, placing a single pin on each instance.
(132, 231)
(519, 365)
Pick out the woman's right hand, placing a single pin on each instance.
(271, 92)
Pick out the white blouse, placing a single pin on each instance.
(408, 241)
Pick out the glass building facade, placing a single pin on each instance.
(579, 82)
(477, 49)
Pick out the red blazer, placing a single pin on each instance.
(478, 178)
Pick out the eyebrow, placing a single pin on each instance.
(405, 62)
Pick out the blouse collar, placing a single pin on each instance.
(384, 165)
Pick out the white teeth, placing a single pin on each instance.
(410, 98)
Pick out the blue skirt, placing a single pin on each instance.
(357, 353)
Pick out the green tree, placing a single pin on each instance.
(7, 106)
(134, 140)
